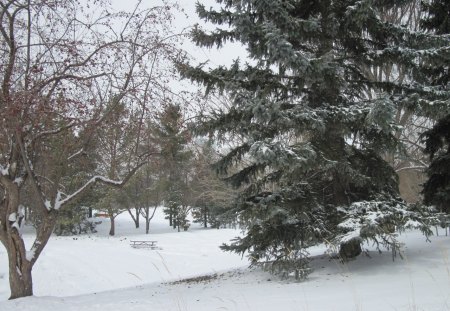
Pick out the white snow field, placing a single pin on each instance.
(97, 272)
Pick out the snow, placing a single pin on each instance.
(48, 204)
(97, 272)
(30, 254)
(21, 211)
(4, 170)
(12, 217)
(58, 200)
(16, 225)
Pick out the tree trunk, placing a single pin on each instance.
(112, 230)
(135, 216)
(147, 225)
(90, 212)
(136, 222)
(350, 249)
(20, 280)
(20, 262)
(148, 218)
(205, 218)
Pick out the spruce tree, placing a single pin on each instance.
(173, 138)
(436, 20)
(437, 188)
(311, 127)
(437, 16)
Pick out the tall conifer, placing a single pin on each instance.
(311, 127)
(437, 188)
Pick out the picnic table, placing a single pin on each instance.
(144, 244)
(444, 222)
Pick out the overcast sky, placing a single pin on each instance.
(224, 56)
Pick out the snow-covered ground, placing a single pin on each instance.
(98, 272)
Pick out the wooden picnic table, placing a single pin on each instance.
(444, 220)
(144, 244)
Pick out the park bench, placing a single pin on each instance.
(144, 244)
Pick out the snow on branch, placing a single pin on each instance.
(421, 168)
(79, 152)
(54, 131)
(59, 202)
(4, 170)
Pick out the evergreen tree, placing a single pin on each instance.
(437, 188)
(74, 219)
(173, 138)
(438, 16)
(310, 125)
(437, 21)
(116, 147)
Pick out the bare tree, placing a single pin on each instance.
(60, 62)
(144, 193)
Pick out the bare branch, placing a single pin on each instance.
(76, 154)
(61, 202)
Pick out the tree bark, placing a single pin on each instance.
(148, 217)
(135, 216)
(350, 249)
(147, 225)
(137, 219)
(112, 230)
(20, 278)
(19, 267)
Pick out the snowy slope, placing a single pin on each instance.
(85, 264)
(114, 276)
